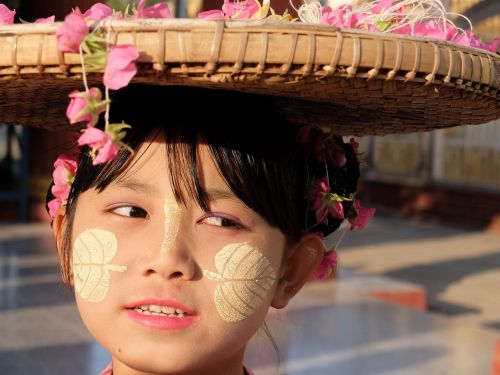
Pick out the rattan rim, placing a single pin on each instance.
(346, 80)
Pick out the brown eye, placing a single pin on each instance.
(221, 221)
(130, 211)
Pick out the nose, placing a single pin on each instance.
(176, 263)
(171, 257)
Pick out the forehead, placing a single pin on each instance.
(149, 165)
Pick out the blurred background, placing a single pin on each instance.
(416, 292)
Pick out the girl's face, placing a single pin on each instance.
(137, 253)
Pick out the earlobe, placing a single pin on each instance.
(300, 264)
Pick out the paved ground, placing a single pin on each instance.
(459, 269)
(330, 328)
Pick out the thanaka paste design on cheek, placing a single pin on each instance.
(172, 219)
(92, 253)
(245, 277)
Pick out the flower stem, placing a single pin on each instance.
(84, 73)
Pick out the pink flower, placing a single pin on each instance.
(354, 145)
(334, 208)
(85, 107)
(63, 175)
(50, 19)
(214, 14)
(492, 47)
(327, 265)
(246, 9)
(382, 5)
(159, 10)
(64, 170)
(240, 10)
(362, 216)
(120, 67)
(6, 15)
(322, 184)
(98, 12)
(339, 17)
(72, 32)
(429, 29)
(325, 203)
(54, 205)
(103, 148)
(465, 39)
(469, 39)
(337, 158)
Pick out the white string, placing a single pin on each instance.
(106, 89)
(310, 12)
(342, 235)
(82, 62)
(416, 11)
(307, 206)
(293, 6)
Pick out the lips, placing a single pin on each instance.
(161, 314)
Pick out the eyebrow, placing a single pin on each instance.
(218, 194)
(135, 185)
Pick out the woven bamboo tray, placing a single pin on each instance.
(354, 82)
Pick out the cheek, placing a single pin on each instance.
(245, 279)
(93, 251)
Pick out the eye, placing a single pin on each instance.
(130, 211)
(220, 221)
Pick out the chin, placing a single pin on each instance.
(157, 361)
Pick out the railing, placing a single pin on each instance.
(466, 156)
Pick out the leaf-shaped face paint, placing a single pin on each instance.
(92, 253)
(245, 277)
(172, 219)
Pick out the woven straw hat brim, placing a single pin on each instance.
(346, 80)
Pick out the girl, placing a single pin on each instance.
(178, 247)
(215, 206)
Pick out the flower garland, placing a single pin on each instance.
(63, 175)
(117, 62)
(323, 201)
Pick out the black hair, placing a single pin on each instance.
(253, 146)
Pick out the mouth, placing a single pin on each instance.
(161, 314)
(157, 310)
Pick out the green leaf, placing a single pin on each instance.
(117, 131)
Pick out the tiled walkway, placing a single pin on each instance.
(330, 328)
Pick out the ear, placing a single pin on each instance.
(298, 267)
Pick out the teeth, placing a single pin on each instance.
(155, 308)
(161, 311)
(167, 310)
